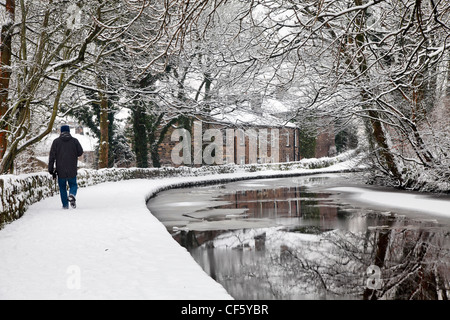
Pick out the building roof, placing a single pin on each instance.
(271, 113)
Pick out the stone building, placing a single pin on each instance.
(239, 145)
(240, 138)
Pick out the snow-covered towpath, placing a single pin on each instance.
(110, 247)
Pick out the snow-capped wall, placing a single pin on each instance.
(17, 192)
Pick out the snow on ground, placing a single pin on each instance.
(110, 247)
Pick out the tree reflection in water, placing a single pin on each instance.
(413, 262)
(317, 249)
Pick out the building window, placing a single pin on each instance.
(241, 137)
(273, 140)
(287, 138)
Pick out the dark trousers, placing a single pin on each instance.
(73, 187)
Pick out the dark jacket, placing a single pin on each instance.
(65, 151)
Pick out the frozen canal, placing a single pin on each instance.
(313, 237)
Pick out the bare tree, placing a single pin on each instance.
(47, 50)
(380, 61)
(56, 42)
(7, 26)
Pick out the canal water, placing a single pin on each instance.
(301, 238)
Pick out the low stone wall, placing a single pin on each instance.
(18, 192)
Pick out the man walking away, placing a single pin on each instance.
(65, 151)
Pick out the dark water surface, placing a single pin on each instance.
(297, 238)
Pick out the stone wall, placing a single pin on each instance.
(17, 192)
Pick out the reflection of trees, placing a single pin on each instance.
(413, 260)
(332, 266)
(414, 264)
(418, 266)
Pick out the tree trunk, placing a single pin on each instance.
(208, 83)
(104, 126)
(381, 141)
(386, 156)
(140, 136)
(5, 72)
